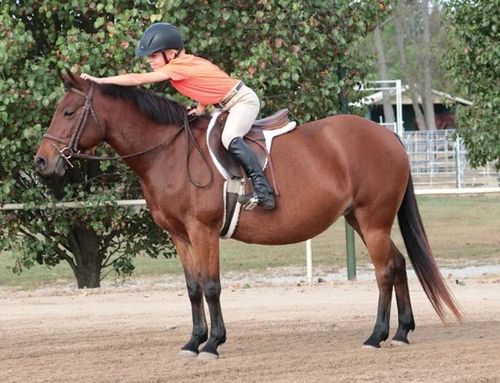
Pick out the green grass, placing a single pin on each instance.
(37, 276)
(462, 230)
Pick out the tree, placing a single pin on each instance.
(414, 42)
(382, 74)
(426, 89)
(473, 63)
(289, 51)
(38, 38)
(412, 21)
(407, 73)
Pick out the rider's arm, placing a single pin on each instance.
(129, 79)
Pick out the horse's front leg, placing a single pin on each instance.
(205, 245)
(195, 292)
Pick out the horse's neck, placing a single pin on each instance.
(140, 141)
(162, 170)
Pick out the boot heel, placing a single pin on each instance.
(268, 205)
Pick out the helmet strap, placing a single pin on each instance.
(165, 56)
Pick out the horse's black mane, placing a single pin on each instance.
(160, 109)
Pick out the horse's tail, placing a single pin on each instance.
(420, 254)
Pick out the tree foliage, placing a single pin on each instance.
(473, 62)
(295, 54)
(38, 38)
(292, 53)
(414, 41)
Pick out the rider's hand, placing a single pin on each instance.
(198, 111)
(86, 76)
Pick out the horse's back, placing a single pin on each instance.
(323, 169)
(365, 148)
(354, 133)
(375, 162)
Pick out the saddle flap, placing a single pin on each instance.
(218, 151)
(257, 138)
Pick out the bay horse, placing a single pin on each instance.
(338, 166)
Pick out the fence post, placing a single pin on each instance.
(399, 109)
(309, 260)
(458, 164)
(349, 231)
(350, 252)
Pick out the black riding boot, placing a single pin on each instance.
(244, 155)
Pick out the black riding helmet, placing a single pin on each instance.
(159, 37)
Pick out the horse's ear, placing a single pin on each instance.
(67, 78)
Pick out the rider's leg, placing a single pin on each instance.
(247, 159)
(243, 109)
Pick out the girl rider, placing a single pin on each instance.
(204, 82)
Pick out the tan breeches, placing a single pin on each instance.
(243, 110)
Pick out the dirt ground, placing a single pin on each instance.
(284, 333)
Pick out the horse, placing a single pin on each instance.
(342, 165)
(445, 120)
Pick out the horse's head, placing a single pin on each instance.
(74, 127)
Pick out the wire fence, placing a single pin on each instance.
(438, 159)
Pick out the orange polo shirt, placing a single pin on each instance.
(199, 79)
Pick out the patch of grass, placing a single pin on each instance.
(36, 276)
(41, 275)
(462, 230)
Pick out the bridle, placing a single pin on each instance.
(70, 149)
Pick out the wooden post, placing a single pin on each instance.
(350, 252)
(349, 231)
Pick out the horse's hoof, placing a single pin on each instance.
(187, 354)
(207, 356)
(398, 343)
(370, 347)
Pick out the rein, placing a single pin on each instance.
(189, 135)
(71, 150)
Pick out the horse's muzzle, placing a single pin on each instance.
(44, 166)
(40, 163)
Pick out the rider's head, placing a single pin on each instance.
(163, 38)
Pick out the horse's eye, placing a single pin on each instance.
(68, 113)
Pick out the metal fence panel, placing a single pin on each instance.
(438, 159)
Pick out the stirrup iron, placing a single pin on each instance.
(251, 203)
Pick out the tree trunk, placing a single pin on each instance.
(382, 74)
(88, 261)
(398, 21)
(427, 102)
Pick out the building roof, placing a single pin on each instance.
(438, 97)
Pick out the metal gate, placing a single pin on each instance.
(438, 158)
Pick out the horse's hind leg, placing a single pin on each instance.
(395, 269)
(376, 236)
(405, 312)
